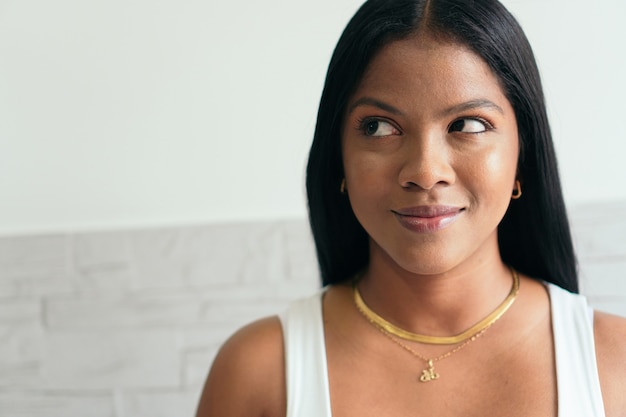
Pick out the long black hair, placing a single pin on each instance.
(534, 235)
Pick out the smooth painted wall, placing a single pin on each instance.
(133, 113)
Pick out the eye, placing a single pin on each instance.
(470, 125)
(375, 127)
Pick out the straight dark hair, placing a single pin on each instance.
(534, 235)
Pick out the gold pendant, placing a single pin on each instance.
(429, 374)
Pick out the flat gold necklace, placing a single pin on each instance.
(479, 327)
(465, 338)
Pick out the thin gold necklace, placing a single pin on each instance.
(464, 338)
(479, 327)
(429, 373)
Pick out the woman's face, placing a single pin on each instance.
(430, 151)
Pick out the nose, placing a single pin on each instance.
(426, 163)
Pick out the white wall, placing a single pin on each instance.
(127, 323)
(130, 113)
(127, 113)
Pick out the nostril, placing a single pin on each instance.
(427, 161)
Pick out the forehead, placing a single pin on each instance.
(426, 67)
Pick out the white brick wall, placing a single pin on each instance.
(126, 324)
(600, 237)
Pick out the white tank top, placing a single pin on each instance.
(578, 384)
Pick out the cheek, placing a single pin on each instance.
(490, 175)
(365, 182)
(368, 179)
(504, 154)
(362, 167)
(500, 167)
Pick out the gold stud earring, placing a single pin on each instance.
(518, 190)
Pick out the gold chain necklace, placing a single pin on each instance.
(479, 327)
(429, 373)
(466, 337)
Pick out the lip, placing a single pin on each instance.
(427, 219)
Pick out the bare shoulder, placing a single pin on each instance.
(247, 375)
(610, 336)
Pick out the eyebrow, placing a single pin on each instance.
(468, 105)
(473, 104)
(369, 101)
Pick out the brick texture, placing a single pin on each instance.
(127, 323)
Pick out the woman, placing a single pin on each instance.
(442, 238)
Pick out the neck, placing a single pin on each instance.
(438, 304)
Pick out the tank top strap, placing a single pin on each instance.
(578, 383)
(579, 393)
(308, 392)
